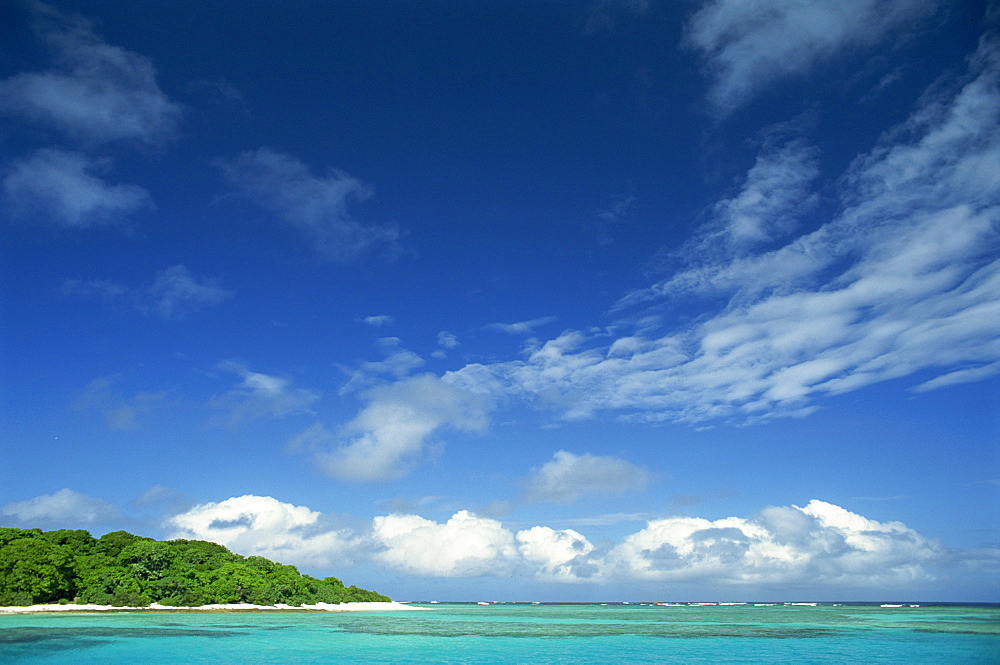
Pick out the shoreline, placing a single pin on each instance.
(391, 606)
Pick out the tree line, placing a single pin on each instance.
(124, 570)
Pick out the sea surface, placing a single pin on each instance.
(516, 633)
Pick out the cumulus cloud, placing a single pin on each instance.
(120, 412)
(750, 45)
(62, 509)
(466, 545)
(173, 294)
(65, 189)
(264, 526)
(315, 205)
(551, 550)
(261, 395)
(391, 433)
(902, 278)
(819, 544)
(95, 92)
(568, 477)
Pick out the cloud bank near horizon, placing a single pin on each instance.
(819, 544)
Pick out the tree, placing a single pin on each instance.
(126, 570)
(36, 570)
(113, 543)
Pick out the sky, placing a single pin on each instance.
(540, 301)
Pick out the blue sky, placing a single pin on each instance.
(506, 300)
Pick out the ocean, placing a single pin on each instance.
(516, 633)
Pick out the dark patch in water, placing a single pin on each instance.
(30, 635)
(563, 631)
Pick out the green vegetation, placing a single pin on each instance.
(71, 566)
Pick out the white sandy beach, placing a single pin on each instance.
(317, 607)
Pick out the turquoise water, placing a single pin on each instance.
(515, 633)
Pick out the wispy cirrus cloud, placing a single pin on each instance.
(260, 395)
(173, 293)
(610, 216)
(749, 46)
(120, 412)
(568, 477)
(902, 278)
(317, 205)
(769, 204)
(378, 320)
(522, 327)
(397, 364)
(95, 92)
(67, 189)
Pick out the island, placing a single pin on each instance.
(119, 569)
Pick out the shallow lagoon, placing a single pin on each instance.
(503, 632)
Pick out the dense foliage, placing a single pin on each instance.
(125, 570)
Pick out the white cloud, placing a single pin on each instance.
(121, 413)
(176, 292)
(960, 376)
(820, 544)
(466, 545)
(261, 395)
(316, 205)
(904, 278)
(390, 434)
(749, 45)
(568, 477)
(264, 526)
(96, 92)
(397, 364)
(60, 188)
(447, 340)
(378, 320)
(63, 509)
(173, 294)
(521, 327)
(768, 205)
(551, 550)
